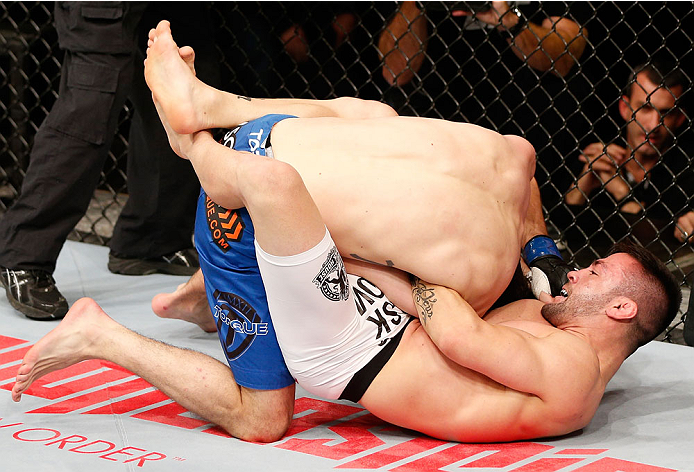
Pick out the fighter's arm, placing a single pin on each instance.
(511, 357)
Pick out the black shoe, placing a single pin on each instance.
(33, 292)
(183, 262)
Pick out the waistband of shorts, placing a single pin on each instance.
(229, 137)
(361, 381)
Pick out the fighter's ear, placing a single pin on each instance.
(679, 119)
(622, 308)
(625, 108)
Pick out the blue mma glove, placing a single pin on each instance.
(548, 271)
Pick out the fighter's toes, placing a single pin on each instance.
(163, 27)
(18, 390)
(188, 55)
(23, 371)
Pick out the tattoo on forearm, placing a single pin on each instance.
(424, 299)
(241, 97)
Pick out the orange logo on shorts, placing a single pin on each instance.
(225, 225)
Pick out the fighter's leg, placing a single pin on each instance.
(191, 105)
(284, 215)
(188, 303)
(236, 179)
(197, 382)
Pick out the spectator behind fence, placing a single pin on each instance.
(647, 171)
(295, 38)
(102, 66)
(556, 43)
(505, 66)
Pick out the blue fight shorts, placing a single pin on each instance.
(224, 240)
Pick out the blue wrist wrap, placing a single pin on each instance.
(540, 246)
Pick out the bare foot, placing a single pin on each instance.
(169, 73)
(186, 52)
(187, 303)
(66, 345)
(181, 144)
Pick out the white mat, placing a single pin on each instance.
(96, 416)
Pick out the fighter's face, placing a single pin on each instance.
(589, 290)
(651, 115)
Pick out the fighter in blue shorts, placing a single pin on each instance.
(339, 359)
(235, 291)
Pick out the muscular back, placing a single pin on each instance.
(445, 201)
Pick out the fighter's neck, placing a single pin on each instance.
(525, 315)
(519, 311)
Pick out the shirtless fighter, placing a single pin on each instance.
(498, 380)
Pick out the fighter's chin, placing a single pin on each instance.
(553, 313)
(548, 299)
(650, 145)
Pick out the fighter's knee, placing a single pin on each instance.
(523, 152)
(274, 427)
(263, 430)
(268, 177)
(262, 416)
(358, 108)
(382, 110)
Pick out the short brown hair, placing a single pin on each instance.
(656, 292)
(661, 73)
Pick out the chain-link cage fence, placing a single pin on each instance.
(564, 92)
